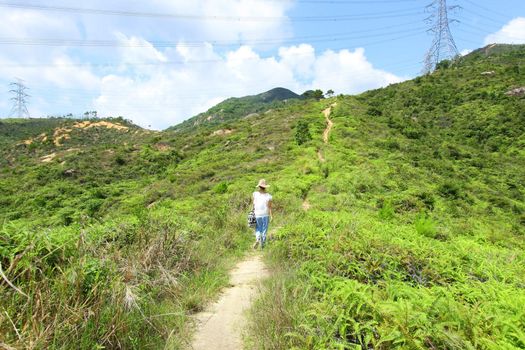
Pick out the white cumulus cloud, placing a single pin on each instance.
(349, 72)
(161, 86)
(511, 33)
(207, 19)
(166, 95)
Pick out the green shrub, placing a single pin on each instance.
(302, 132)
(450, 189)
(425, 226)
(374, 111)
(386, 210)
(221, 188)
(428, 200)
(120, 160)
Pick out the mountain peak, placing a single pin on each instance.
(278, 93)
(238, 107)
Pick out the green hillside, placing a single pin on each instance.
(415, 234)
(235, 108)
(13, 130)
(405, 231)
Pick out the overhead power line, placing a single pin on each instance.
(164, 44)
(491, 11)
(342, 2)
(480, 15)
(94, 11)
(204, 61)
(203, 42)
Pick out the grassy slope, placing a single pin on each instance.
(414, 239)
(125, 233)
(415, 235)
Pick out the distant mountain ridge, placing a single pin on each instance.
(237, 107)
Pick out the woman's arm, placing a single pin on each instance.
(270, 209)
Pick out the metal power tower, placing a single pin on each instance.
(443, 45)
(20, 99)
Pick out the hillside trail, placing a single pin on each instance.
(221, 325)
(326, 134)
(320, 155)
(329, 122)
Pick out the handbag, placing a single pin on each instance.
(251, 219)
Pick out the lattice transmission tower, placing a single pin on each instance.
(20, 99)
(443, 45)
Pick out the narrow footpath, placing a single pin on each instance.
(329, 123)
(326, 132)
(326, 136)
(221, 325)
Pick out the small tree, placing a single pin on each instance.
(444, 64)
(313, 94)
(330, 93)
(302, 132)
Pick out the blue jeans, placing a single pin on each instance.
(261, 227)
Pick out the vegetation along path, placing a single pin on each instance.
(220, 325)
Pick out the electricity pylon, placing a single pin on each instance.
(20, 99)
(443, 45)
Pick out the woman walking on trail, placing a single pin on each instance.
(262, 206)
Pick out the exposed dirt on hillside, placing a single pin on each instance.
(163, 147)
(306, 205)
(42, 138)
(329, 123)
(88, 125)
(221, 325)
(320, 156)
(326, 132)
(62, 134)
(48, 158)
(222, 132)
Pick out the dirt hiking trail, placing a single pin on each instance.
(221, 325)
(329, 123)
(326, 132)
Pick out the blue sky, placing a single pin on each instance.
(163, 61)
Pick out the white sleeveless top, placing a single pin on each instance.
(260, 203)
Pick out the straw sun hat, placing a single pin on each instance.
(262, 183)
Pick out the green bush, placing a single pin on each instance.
(386, 210)
(221, 188)
(450, 189)
(425, 226)
(302, 132)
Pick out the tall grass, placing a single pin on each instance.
(127, 283)
(386, 287)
